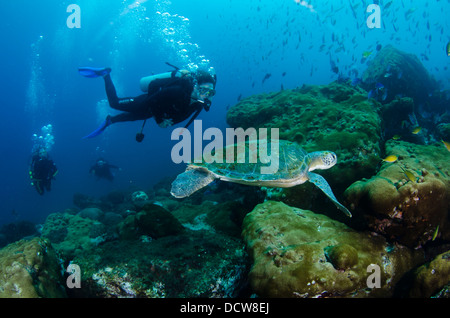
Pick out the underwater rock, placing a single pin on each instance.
(408, 199)
(444, 131)
(212, 216)
(91, 213)
(30, 269)
(426, 280)
(336, 117)
(139, 196)
(111, 219)
(297, 253)
(83, 201)
(153, 221)
(342, 256)
(115, 197)
(191, 264)
(156, 222)
(139, 199)
(393, 114)
(400, 73)
(72, 234)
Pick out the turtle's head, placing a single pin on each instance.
(322, 160)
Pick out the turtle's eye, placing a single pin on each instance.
(329, 159)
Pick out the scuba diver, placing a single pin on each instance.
(102, 169)
(42, 171)
(171, 97)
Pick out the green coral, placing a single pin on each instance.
(217, 217)
(30, 269)
(297, 253)
(72, 234)
(405, 210)
(342, 256)
(408, 75)
(190, 264)
(153, 221)
(427, 280)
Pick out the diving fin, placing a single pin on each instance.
(100, 129)
(93, 72)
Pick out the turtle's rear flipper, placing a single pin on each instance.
(323, 185)
(190, 181)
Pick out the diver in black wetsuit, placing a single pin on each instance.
(42, 171)
(169, 100)
(102, 169)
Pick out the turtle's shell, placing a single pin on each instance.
(293, 162)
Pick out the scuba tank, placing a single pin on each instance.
(145, 81)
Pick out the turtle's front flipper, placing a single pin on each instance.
(323, 185)
(190, 181)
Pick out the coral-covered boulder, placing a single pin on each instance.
(30, 269)
(408, 199)
(297, 253)
(401, 74)
(72, 234)
(427, 280)
(190, 264)
(153, 221)
(91, 213)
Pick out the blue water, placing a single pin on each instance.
(244, 40)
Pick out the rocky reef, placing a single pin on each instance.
(158, 248)
(231, 240)
(401, 73)
(297, 253)
(407, 201)
(400, 206)
(30, 269)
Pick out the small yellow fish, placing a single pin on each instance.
(366, 54)
(391, 158)
(446, 144)
(396, 137)
(409, 175)
(435, 233)
(416, 130)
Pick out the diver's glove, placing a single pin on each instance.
(207, 104)
(166, 123)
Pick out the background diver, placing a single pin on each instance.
(102, 169)
(42, 171)
(171, 98)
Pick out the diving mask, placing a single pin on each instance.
(205, 91)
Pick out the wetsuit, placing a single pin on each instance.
(102, 169)
(42, 171)
(168, 101)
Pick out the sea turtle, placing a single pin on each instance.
(294, 168)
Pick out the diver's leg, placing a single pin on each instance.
(111, 91)
(39, 188)
(126, 117)
(48, 185)
(123, 104)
